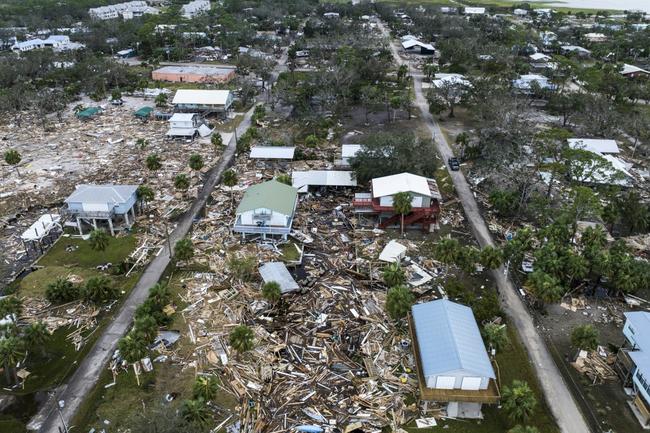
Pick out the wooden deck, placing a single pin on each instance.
(490, 395)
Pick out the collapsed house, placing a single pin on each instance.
(187, 125)
(452, 363)
(267, 209)
(425, 204)
(633, 364)
(110, 203)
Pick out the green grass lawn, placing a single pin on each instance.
(118, 249)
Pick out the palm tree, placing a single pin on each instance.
(11, 353)
(144, 193)
(230, 179)
(495, 335)
(10, 306)
(446, 250)
(545, 287)
(584, 337)
(153, 162)
(160, 295)
(196, 412)
(196, 162)
(146, 328)
(242, 338)
(402, 205)
(132, 347)
(398, 301)
(13, 158)
(393, 275)
(98, 240)
(99, 289)
(206, 387)
(272, 292)
(519, 401)
(61, 290)
(36, 334)
(184, 250)
(491, 258)
(181, 182)
(217, 140)
(466, 258)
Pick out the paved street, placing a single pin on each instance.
(558, 397)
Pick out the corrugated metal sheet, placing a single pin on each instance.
(278, 272)
(449, 339)
(272, 152)
(102, 194)
(304, 179)
(201, 97)
(595, 145)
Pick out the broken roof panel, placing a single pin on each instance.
(272, 152)
(278, 272)
(596, 145)
(392, 252)
(304, 179)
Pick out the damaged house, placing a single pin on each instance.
(452, 363)
(425, 205)
(187, 125)
(267, 209)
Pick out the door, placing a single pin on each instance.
(445, 382)
(471, 383)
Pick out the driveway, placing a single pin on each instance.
(558, 397)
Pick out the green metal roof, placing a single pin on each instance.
(143, 112)
(272, 195)
(88, 112)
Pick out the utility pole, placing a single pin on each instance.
(169, 243)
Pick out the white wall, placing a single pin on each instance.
(276, 219)
(457, 380)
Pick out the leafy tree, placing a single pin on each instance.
(584, 337)
(61, 290)
(466, 258)
(272, 292)
(446, 250)
(383, 154)
(393, 275)
(505, 203)
(495, 335)
(12, 157)
(11, 353)
(98, 240)
(181, 182)
(519, 401)
(635, 215)
(398, 301)
(196, 412)
(206, 387)
(491, 258)
(242, 338)
(153, 162)
(445, 96)
(284, 178)
(184, 250)
(99, 289)
(132, 347)
(196, 162)
(10, 306)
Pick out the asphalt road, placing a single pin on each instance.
(557, 394)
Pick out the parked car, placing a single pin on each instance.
(117, 102)
(454, 163)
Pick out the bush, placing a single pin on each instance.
(585, 337)
(99, 289)
(62, 291)
(505, 203)
(311, 141)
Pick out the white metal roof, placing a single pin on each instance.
(449, 339)
(595, 145)
(450, 79)
(474, 10)
(350, 150)
(630, 69)
(410, 43)
(392, 252)
(640, 321)
(304, 179)
(102, 194)
(539, 56)
(278, 272)
(403, 182)
(202, 97)
(272, 152)
(182, 117)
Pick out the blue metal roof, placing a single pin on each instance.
(449, 339)
(640, 322)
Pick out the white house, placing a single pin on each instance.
(212, 101)
(451, 360)
(617, 174)
(575, 49)
(126, 10)
(454, 80)
(267, 209)
(633, 364)
(413, 44)
(525, 82)
(90, 203)
(632, 71)
(55, 42)
(186, 125)
(194, 8)
(474, 11)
